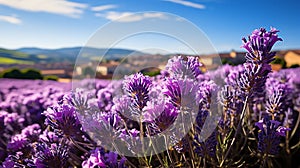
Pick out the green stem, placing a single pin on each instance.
(154, 148)
(237, 130)
(78, 146)
(169, 156)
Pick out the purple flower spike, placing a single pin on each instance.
(48, 136)
(269, 135)
(96, 159)
(18, 142)
(259, 45)
(173, 92)
(282, 131)
(8, 163)
(165, 119)
(32, 132)
(258, 57)
(51, 155)
(134, 132)
(63, 120)
(137, 87)
(100, 159)
(260, 124)
(208, 147)
(181, 67)
(13, 119)
(17, 160)
(111, 158)
(182, 92)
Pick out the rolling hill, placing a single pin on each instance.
(16, 57)
(38, 55)
(70, 54)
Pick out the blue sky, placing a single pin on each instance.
(68, 23)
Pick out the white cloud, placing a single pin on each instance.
(62, 7)
(10, 19)
(187, 3)
(130, 16)
(103, 7)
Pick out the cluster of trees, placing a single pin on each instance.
(26, 74)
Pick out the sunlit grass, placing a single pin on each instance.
(4, 60)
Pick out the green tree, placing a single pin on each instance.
(280, 61)
(21, 74)
(225, 61)
(295, 66)
(31, 74)
(51, 77)
(12, 73)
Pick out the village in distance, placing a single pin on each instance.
(62, 64)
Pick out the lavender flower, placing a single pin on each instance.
(204, 147)
(99, 159)
(181, 146)
(182, 92)
(279, 92)
(8, 163)
(63, 120)
(130, 107)
(32, 132)
(156, 104)
(233, 75)
(2, 131)
(279, 81)
(274, 103)
(49, 137)
(104, 127)
(137, 87)
(79, 99)
(131, 138)
(208, 147)
(111, 160)
(51, 155)
(253, 79)
(13, 121)
(127, 134)
(269, 135)
(18, 142)
(105, 99)
(226, 97)
(181, 67)
(184, 100)
(123, 107)
(95, 160)
(17, 159)
(258, 57)
(173, 91)
(259, 45)
(165, 119)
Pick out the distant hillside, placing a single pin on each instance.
(70, 54)
(16, 57)
(38, 55)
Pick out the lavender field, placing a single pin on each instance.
(160, 121)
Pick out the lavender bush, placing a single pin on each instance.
(255, 116)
